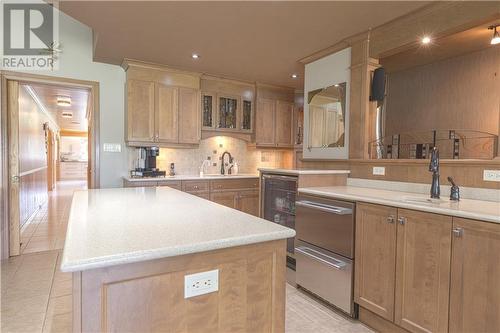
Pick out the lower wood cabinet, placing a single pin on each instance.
(248, 202)
(423, 257)
(375, 259)
(427, 272)
(475, 277)
(227, 199)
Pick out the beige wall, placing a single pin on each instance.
(188, 161)
(456, 93)
(32, 156)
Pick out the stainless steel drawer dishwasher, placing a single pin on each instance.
(325, 249)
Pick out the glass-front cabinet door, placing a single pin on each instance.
(246, 122)
(228, 110)
(207, 108)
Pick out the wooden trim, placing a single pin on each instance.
(73, 133)
(378, 323)
(4, 202)
(13, 144)
(224, 79)
(25, 173)
(127, 63)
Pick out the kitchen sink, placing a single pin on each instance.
(422, 200)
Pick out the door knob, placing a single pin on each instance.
(15, 179)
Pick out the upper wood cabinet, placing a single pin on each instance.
(375, 262)
(162, 114)
(422, 271)
(475, 277)
(227, 106)
(140, 111)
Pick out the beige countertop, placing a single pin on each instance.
(190, 177)
(124, 225)
(303, 172)
(467, 208)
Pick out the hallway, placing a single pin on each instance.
(47, 229)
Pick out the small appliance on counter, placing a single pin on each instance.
(146, 163)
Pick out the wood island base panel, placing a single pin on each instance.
(149, 296)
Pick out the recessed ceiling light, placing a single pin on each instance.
(294, 76)
(496, 36)
(195, 56)
(67, 114)
(63, 100)
(426, 40)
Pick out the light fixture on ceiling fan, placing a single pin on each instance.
(67, 114)
(63, 100)
(496, 36)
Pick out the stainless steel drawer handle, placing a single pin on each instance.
(325, 208)
(337, 264)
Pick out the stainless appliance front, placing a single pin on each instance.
(324, 249)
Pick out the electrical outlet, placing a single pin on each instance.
(201, 283)
(379, 171)
(491, 175)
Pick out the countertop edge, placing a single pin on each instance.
(186, 177)
(304, 172)
(399, 204)
(147, 255)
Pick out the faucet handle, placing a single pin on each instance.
(454, 191)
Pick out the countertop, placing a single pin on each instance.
(472, 209)
(189, 177)
(303, 172)
(124, 225)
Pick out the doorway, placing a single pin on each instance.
(49, 148)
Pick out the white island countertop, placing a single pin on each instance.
(488, 211)
(125, 225)
(303, 171)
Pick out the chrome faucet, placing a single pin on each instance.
(222, 169)
(434, 168)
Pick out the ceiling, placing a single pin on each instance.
(249, 40)
(454, 45)
(47, 94)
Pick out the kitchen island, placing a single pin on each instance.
(130, 249)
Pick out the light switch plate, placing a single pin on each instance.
(491, 175)
(379, 171)
(201, 283)
(112, 147)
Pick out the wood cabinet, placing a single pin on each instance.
(237, 193)
(375, 258)
(140, 111)
(162, 114)
(274, 123)
(475, 277)
(422, 271)
(403, 266)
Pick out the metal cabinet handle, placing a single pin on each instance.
(458, 232)
(195, 187)
(325, 208)
(390, 219)
(332, 262)
(402, 220)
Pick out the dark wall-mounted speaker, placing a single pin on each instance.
(378, 85)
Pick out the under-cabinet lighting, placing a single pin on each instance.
(67, 114)
(63, 100)
(294, 76)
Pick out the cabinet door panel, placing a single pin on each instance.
(166, 113)
(264, 122)
(423, 271)
(228, 199)
(284, 114)
(140, 111)
(248, 202)
(375, 259)
(475, 277)
(189, 116)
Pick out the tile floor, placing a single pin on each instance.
(37, 297)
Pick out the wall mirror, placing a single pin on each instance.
(444, 94)
(327, 109)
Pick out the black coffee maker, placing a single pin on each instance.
(147, 163)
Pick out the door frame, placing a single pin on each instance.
(7, 249)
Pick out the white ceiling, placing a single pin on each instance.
(251, 40)
(47, 94)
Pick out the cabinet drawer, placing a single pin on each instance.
(231, 184)
(171, 183)
(195, 185)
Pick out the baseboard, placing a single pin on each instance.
(378, 323)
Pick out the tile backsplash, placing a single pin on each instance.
(188, 161)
